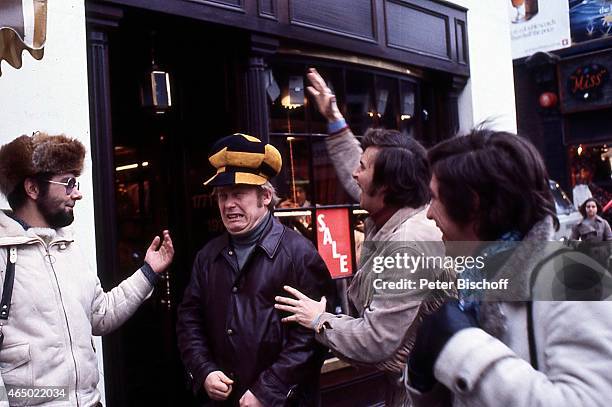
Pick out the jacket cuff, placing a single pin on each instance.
(323, 322)
(337, 126)
(151, 276)
(335, 140)
(270, 391)
(466, 356)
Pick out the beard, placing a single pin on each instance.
(52, 211)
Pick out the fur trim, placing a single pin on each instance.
(518, 270)
(27, 156)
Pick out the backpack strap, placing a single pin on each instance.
(533, 351)
(9, 279)
(533, 354)
(7, 289)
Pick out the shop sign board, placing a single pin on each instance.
(590, 19)
(587, 81)
(584, 82)
(334, 241)
(538, 25)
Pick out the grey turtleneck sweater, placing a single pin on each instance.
(245, 243)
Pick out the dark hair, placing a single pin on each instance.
(401, 166)
(582, 208)
(496, 179)
(18, 197)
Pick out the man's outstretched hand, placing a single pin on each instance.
(159, 256)
(323, 96)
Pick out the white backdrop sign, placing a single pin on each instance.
(538, 25)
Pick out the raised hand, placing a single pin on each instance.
(323, 96)
(159, 256)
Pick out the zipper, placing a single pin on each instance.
(76, 370)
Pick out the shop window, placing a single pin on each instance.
(407, 106)
(361, 111)
(386, 103)
(591, 165)
(308, 183)
(366, 98)
(133, 198)
(287, 94)
(294, 183)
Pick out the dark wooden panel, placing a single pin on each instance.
(462, 44)
(101, 20)
(588, 127)
(333, 16)
(281, 27)
(267, 8)
(413, 28)
(350, 387)
(237, 5)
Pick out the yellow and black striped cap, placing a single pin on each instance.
(243, 159)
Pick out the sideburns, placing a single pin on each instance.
(372, 190)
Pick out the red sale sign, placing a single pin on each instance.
(334, 241)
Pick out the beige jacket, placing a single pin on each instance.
(573, 341)
(57, 305)
(383, 323)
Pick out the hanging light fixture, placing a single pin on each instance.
(295, 95)
(157, 91)
(382, 96)
(407, 106)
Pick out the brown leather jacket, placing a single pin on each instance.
(227, 320)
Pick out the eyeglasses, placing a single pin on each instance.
(70, 184)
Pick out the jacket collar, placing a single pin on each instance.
(271, 237)
(269, 241)
(394, 222)
(535, 247)
(13, 233)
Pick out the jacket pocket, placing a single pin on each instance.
(14, 356)
(16, 368)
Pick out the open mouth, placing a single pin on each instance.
(234, 216)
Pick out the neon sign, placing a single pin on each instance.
(586, 82)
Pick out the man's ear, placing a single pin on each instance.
(266, 197)
(31, 188)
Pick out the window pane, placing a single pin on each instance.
(286, 87)
(407, 107)
(328, 189)
(385, 114)
(293, 183)
(359, 101)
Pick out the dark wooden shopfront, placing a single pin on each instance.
(573, 134)
(393, 63)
